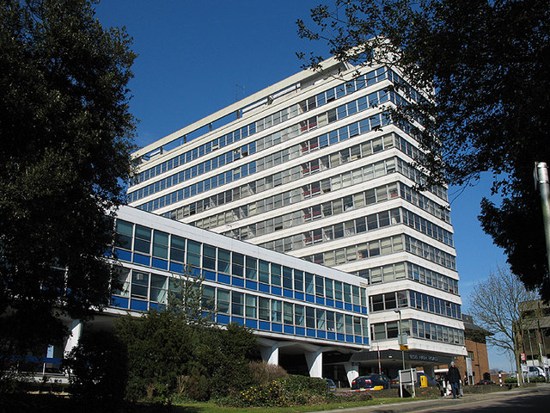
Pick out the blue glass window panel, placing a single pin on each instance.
(365, 340)
(310, 298)
(330, 303)
(239, 282)
(209, 275)
(251, 285)
(357, 308)
(310, 332)
(138, 305)
(195, 272)
(298, 295)
(347, 306)
(321, 334)
(300, 331)
(264, 288)
(264, 325)
(108, 253)
(237, 320)
(289, 330)
(320, 300)
(157, 306)
(142, 259)
(223, 278)
(340, 337)
(339, 304)
(158, 263)
(276, 290)
(358, 340)
(252, 324)
(119, 302)
(176, 267)
(349, 339)
(288, 293)
(222, 319)
(123, 255)
(331, 336)
(364, 310)
(276, 327)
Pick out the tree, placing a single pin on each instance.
(484, 69)
(495, 305)
(66, 136)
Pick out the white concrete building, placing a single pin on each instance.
(314, 167)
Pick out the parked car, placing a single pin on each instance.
(331, 386)
(371, 382)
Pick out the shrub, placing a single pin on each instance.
(99, 369)
(263, 373)
(287, 391)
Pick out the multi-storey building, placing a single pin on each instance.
(314, 167)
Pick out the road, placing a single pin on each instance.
(537, 400)
(527, 400)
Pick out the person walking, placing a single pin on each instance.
(453, 377)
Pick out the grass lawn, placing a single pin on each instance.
(213, 408)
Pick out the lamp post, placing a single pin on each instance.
(400, 341)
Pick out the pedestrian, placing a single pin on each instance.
(453, 377)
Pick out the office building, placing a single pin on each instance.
(314, 167)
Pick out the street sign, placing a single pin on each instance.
(403, 347)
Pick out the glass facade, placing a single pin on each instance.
(236, 288)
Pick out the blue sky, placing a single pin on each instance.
(198, 56)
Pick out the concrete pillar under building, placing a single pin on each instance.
(314, 361)
(74, 337)
(270, 355)
(352, 371)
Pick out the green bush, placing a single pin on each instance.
(287, 391)
(170, 357)
(98, 367)
(263, 373)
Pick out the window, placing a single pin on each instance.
(276, 311)
(264, 309)
(142, 242)
(160, 244)
(123, 276)
(251, 268)
(288, 313)
(299, 319)
(237, 303)
(238, 264)
(223, 301)
(287, 278)
(177, 249)
(159, 288)
(209, 257)
(124, 234)
(193, 253)
(140, 284)
(275, 274)
(207, 299)
(224, 258)
(251, 305)
(264, 272)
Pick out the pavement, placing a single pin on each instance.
(444, 402)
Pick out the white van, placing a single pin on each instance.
(533, 372)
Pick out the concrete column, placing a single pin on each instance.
(270, 355)
(352, 371)
(76, 332)
(314, 361)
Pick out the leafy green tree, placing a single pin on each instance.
(484, 69)
(66, 132)
(98, 367)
